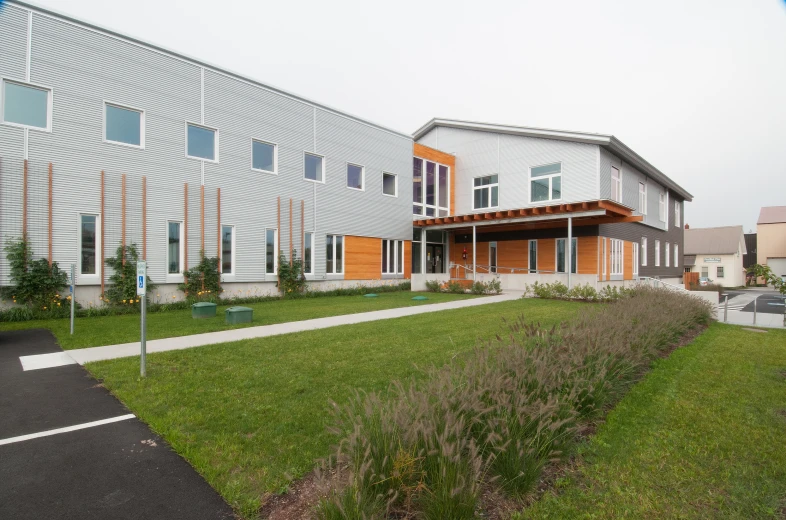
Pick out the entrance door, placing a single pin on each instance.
(434, 259)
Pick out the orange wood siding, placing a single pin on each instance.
(512, 253)
(587, 255)
(363, 258)
(407, 258)
(431, 154)
(627, 260)
(547, 253)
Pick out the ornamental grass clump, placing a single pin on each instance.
(495, 418)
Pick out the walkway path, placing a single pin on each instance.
(86, 355)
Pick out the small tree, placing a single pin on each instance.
(291, 280)
(770, 278)
(35, 283)
(202, 282)
(122, 282)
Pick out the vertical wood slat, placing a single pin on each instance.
(50, 214)
(290, 232)
(24, 202)
(144, 217)
(103, 197)
(123, 216)
(202, 214)
(218, 220)
(185, 226)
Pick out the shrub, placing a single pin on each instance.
(203, 281)
(497, 416)
(291, 280)
(433, 285)
(34, 283)
(493, 286)
(455, 287)
(709, 287)
(122, 281)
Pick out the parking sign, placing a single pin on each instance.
(141, 278)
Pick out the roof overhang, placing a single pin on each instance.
(582, 214)
(613, 144)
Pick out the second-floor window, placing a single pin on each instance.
(26, 105)
(201, 142)
(355, 176)
(123, 125)
(485, 192)
(430, 190)
(263, 156)
(616, 184)
(314, 168)
(676, 213)
(642, 198)
(662, 207)
(545, 183)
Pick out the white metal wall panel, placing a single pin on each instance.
(630, 187)
(13, 58)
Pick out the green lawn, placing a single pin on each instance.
(252, 415)
(111, 330)
(703, 436)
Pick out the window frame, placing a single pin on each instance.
(662, 208)
(88, 278)
(142, 123)
(233, 251)
(529, 256)
(677, 213)
(643, 198)
(618, 183)
(175, 277)
(310, 255)
(667, 254)
(323, 167)
(275, 252)
(605, 255)
(644, 251)
(395, 177)
(343, 254)
(635, 260)
(617, 257)
(657, 253)
(550, 177)
(720, 272)
(215, 140)
(702, 269)
(568, 261)
(484, 186)
(49, 104)
(275, 156)
(397, 244)
(362, 177)
(676, 255)
(423, 206)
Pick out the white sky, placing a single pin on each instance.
(697, 87)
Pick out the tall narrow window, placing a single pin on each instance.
(644, 251)
(417, 186)
(574, 255)
(705, 272)
(392, 257)
(390, 184)
(616, 184)
(667, 254)
(657, 253)
(355, 176)
(719, 271)
(201, 142)
(492, 257)
(533, 256)
(545, 183)
(228, 249)
(271, 253)
(334, 254)
(485, 192)
(616, 256)
(124, 125)
(174, 250)
(561, 258)
(642, 198)
(431, 189)
(442, 191)
(314, 168)
(605, 255)
(27, 105)
(676, 213)
(308, 253)
(263, 156)
(676, 255)
(88, 244)
(635, 260)
(662, 207)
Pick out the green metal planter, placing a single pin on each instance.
(201, 310)
(235, 315)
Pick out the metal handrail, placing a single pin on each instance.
(656, 282)
(499, 269)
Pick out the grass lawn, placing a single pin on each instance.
(252, 415)
(111, 330)
(703, 436)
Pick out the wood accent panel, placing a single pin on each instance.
(432, 154)
(627, 260)
(587, 257)
(407, 259)
(547, 254)
(362, 258)
(514, 254)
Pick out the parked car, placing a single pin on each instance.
(704, 281)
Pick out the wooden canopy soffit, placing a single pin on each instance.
(587, 213)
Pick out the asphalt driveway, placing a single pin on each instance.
(118, 470)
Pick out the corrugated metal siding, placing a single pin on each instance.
(429, 139)
(13, 52)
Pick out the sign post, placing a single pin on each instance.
(141, 290)
(72, 295)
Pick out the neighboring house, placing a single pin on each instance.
(771, 238)
(750, 258)
(716, 253)
(106, 141)
(521, 192)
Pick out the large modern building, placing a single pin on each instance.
(106, 141)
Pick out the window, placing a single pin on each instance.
(657, 253)
(667, 258)
(676, 213)
(356, 176)
(642, 198)
(533, 256)
(228, 249)
(492, 257)
(201, 142)
(676, 255)
(390, 184)
(635, 260)
(705, 272)
(430, 189)
(644, 251)
(662, 207)
(392, 257)
(174, 253)
(485, 192)
(616, 256)
(616, 184)
(27, 105)
(561, 255)
(264, 156)
(271, 251)
(417, 186)
(89, 244)
(124, 125)
(334, 251)
(687, 270)
(720, 271)
(545, 183)
(417, 237)
(314, 167)
(308, 253)
(605, 255)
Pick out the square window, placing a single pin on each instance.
(485, 192)
(355, 176)
(263, 156)
(201, 142)
(546, 183)
(26, 105)
(123, 125)
(390, 184)
(314, 168)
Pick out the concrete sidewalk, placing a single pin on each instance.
(768, 320)
(87, 355)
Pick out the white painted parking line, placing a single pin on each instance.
(39, 361)
(82, 426)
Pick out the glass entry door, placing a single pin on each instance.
(435, 259)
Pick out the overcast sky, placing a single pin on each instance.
(697, 87)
